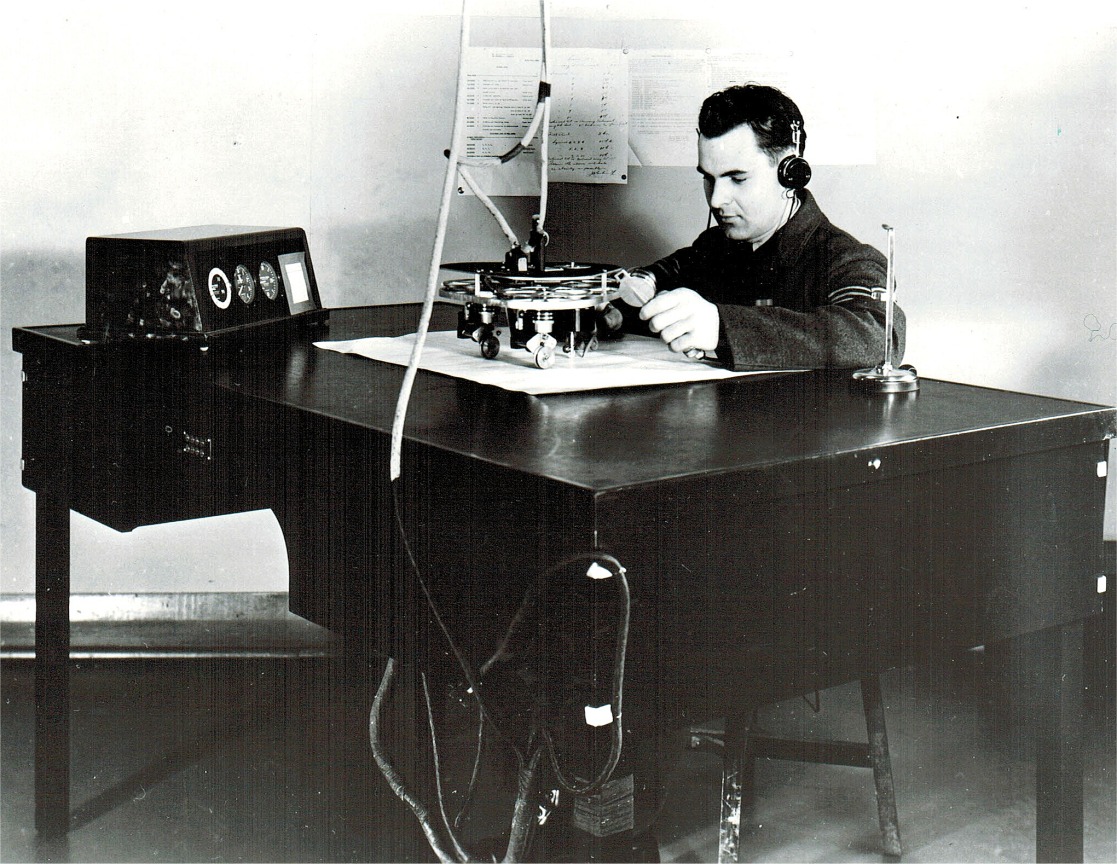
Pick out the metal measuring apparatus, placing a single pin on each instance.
(887, 378)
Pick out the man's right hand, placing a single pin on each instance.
(684, 319)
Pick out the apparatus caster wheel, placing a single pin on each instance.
(545, 356)
(490, 347)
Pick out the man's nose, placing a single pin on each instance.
(718, 194)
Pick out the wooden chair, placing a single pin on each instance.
(740, 747)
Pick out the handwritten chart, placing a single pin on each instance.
(589, 116)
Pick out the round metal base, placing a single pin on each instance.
(891, 380)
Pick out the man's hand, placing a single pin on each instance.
(683, 319)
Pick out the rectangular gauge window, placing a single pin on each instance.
(297, 282)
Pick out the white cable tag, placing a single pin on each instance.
(601, 716)
(596, 571)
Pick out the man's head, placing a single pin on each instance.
(743, 134)
(768, 112)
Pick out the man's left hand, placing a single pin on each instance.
(683, 319)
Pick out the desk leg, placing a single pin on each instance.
(1059, 745)
(52, 664)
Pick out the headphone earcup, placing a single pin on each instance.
(794, 172)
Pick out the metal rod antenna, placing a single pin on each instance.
(886, 378)
(889, 297)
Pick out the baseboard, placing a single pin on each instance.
(169, 625)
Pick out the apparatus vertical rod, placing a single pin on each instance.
(436, 255)
(889, 298)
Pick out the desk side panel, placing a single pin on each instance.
(149, 437)
(746, 593)
(48, 417)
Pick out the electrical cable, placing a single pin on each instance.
(544, 140)
(616, 691)
(437, 766)
(528, 767)
(399, 419)
(395, 455)
(395, 781)
(448, 185)
(475, 773)
(453, 167)
(523, 815)
(489, 205)
(616, 738)
(523, 143)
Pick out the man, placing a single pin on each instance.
(775, 284)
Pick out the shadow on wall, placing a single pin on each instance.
(658, 211)
(387, 261)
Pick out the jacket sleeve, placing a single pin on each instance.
(829, 318)
(842, 335)
(842, 327)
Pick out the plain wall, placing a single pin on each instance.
(996, 163)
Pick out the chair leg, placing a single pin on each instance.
(737, 773)
(882, 765)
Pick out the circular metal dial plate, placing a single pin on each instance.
(245, 284)
(269, 282)
(220, 291)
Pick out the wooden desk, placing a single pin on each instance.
(779, 533)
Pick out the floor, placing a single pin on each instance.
(268, 760)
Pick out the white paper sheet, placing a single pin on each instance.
(633, 361)
(589, 116)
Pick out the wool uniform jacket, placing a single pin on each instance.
(802, 299)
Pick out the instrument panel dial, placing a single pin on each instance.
(220, 291)
(245, 284)
(269, 282)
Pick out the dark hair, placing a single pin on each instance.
(767, 111)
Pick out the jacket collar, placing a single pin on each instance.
(791, 238)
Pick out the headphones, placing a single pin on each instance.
(794, 172)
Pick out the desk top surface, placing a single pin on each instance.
(615, 439)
